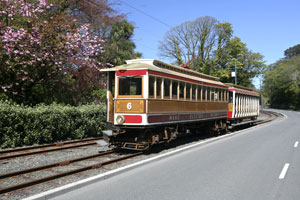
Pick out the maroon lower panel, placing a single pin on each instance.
(185, 117)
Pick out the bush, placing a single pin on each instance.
(23, 125)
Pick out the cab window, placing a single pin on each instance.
(130, 86)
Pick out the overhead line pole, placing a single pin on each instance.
(235, 71)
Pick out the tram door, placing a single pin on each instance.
(110, 96)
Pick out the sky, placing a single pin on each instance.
(268, 27)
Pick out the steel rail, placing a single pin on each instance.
(270, 114)
(45, 151)
(62, 163)
(47, 145)
(63, 174)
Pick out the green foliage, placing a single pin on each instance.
(119, 46)
(248, 63)
(100, 94)
(282, 84)
(23, 125)
(292, 51)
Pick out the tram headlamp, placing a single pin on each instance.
(120, 119)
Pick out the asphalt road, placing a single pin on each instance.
(262, 163)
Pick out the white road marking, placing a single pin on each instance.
(284, 170)
(296, 144)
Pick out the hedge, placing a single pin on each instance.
(24, 125)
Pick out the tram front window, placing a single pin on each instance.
(130, 86)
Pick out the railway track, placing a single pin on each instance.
(272, 116)
(6, 153)
(77, 165)
(95, 165)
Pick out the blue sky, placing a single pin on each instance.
(267, 26)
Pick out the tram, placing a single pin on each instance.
(151, 102)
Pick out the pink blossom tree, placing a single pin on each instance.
(40, 48)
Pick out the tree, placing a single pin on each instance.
(224, 34)
(119, 46)
(213, 50)
(248, 63)
(189, 40)
(292, 51)
(99, 13)
(40, 48)
(282, 83)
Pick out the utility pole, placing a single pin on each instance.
(235, 82)
(234, 74)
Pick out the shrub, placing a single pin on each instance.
(23, 125)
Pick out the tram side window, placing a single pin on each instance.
(193, 92)
(167, 83)
(158, 87)
(208, 94)
(212, 94)
(230, 97)
(188, 92)
(227, 95)
(220, 95)
(151, 86)
(130, 86)
(203, 93)
(199, 93)
(174, 89)
(216, 95)
(181, 90)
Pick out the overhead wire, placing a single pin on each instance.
(146, 14)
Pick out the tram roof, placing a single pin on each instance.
(242, 89)
(160, 66)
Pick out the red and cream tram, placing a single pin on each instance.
(152, 102)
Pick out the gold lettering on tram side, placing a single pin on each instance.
(130, 106)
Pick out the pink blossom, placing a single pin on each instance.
(33, 50)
